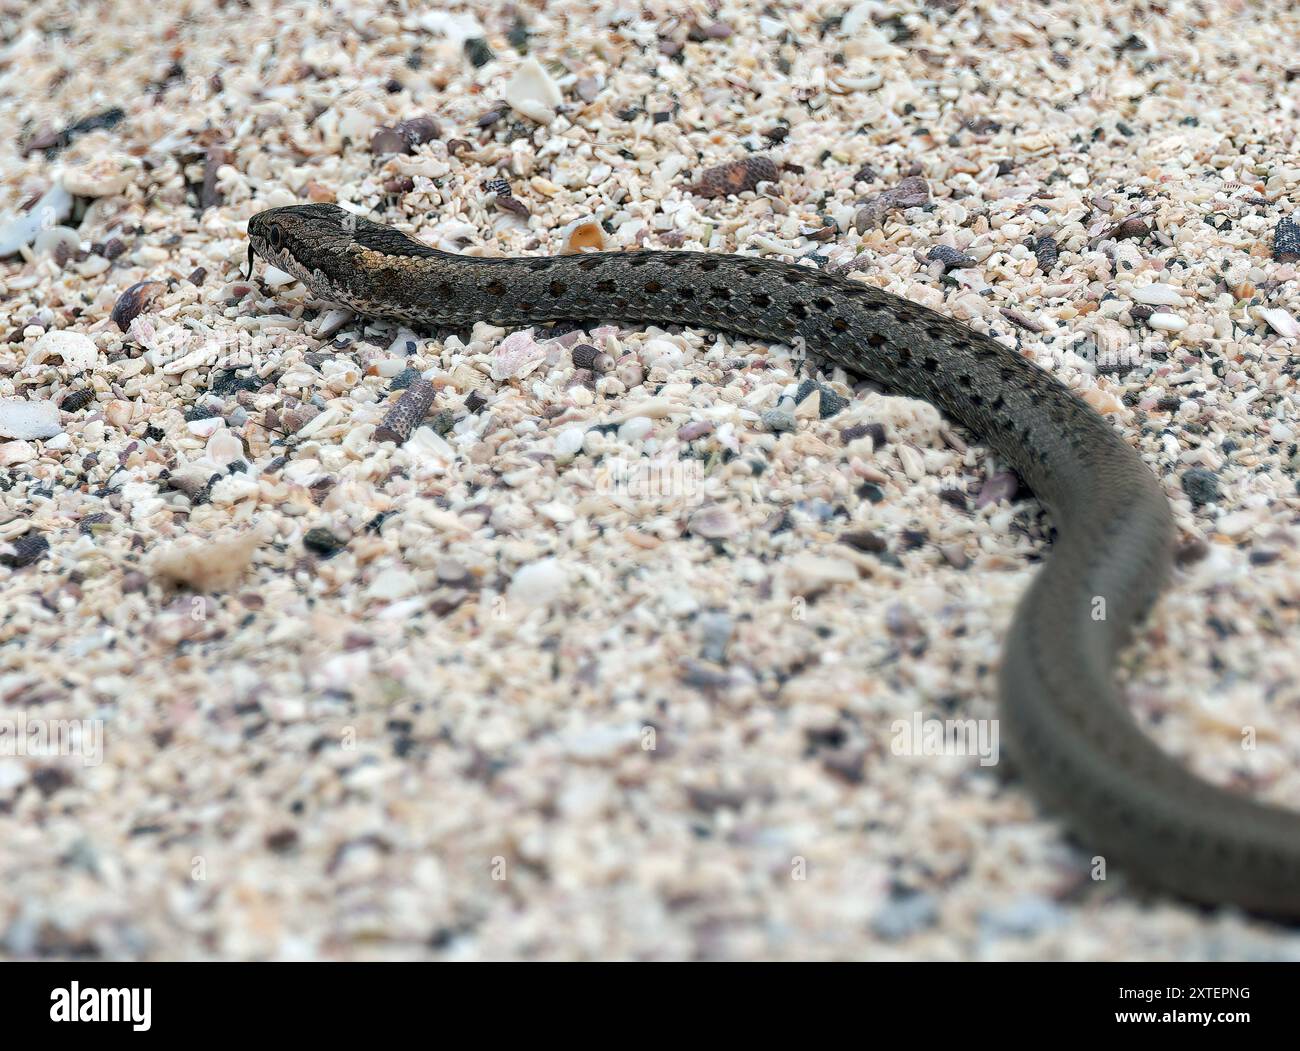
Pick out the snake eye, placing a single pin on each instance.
(274, 237)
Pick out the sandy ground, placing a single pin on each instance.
(621, 654)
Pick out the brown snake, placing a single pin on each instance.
(1070, 732)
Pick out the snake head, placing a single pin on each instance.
(296, 238)
(320, 245)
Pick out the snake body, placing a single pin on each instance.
(1069, 731)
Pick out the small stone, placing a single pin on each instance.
(689, 432)
(77, 400)
(1132, 227)
(1046, 252)
(1163, 321)
(1004, 485)
(407, 414)
(1286, 242)
(912, 192)
(569, 441)
(27, 549)
(949, 257)
(539, 583)
(865, 540)
(913, 462)
(16, 452)
(478, 52)
(450, 571)
(713, 523)
(417, 131)
(24, 419)
(779, 420)
(76, 352)
(830, 403)
(18, 231)
(955, 555)
(874, 431)
(1158, 295)
(585, 356)
(635, 429)
(1280, 321)
(105, 176)
(736, 176)
(1201, 485)
(134, 301)
(583, 235)
(323, 542)
(516, 356)
(388, 141)
(532, 93)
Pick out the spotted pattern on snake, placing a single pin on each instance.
(1070, 733)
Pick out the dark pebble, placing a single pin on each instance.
(1131, 228)
(77, 400)
(736, 177)
(949, 257)
(1046, 251)
(134, 301)
(585, 356)
(28, 548)
(1286, 242)
(418, 130)
(478, 52)
(1192, 551)
(874, 431)
(831, 403)
(865, 540)
(387, 141)
(1201, 485)
(404, 379)
(323, 542)
(513, 205)
(92, 524)
(955, 497)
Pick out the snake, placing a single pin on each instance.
(1070, 733)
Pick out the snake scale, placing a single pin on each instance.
(1070, 734)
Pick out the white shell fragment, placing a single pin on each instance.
(20, 418)
(1280, 321)
(18, 231)
(105, 176)
(1166, 322)
(1160, 295)
(539, 583)
(517, 356)
(532, 92)
(77, 352)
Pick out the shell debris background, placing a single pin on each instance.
(633, 614)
